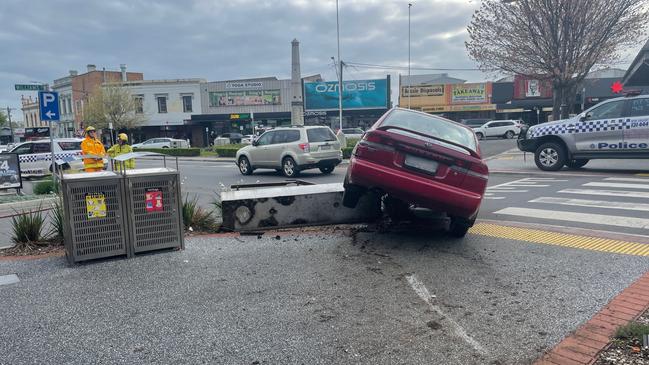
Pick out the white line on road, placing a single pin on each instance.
(494, 197)
(593, 203)
(506, 191)
(423, 293)
(617, 185)
(627, 179)
(9, 279)
(599, 219)
(628, 194)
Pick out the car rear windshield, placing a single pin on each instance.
(70, 146)
(432, 126)
(316, 135)
(353, 131)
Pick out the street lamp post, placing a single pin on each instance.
(340, 73)
(409, 6)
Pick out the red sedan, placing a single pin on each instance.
(422, 160)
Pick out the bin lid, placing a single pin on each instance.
(151, 171)
(89, 175)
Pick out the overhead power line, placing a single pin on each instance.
(391, 67)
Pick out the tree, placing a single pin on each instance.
(557, 40)
(3, 118)
(112, 104)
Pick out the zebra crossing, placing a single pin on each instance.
(621, 202)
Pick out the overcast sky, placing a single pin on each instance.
(226, 39)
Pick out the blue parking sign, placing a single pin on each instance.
(49, 105)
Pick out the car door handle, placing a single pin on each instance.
(571, 127)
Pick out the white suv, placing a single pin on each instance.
(291, 150)
(499, 128)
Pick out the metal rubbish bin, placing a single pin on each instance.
(154, 209)
(94, 225)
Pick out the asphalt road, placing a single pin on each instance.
(320, 298)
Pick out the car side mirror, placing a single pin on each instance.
(255, 143)
(584, 117)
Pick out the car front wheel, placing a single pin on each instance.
(244, 166)
(327, 170)
(480, 136)
(289, 167)
(550, 156)
(509, 135)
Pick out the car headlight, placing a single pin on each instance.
(528, 134)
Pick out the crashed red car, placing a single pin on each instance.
(420, 160)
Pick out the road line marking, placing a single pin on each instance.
(628, 194)
(423, 293)
(627, 179)
(593, 203)
(494, 197)
(9, 279)
(617, 185)
(507, 191)
(561, 239)
(600, 219)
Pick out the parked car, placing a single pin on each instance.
(36, 157)
(162, 143)
(247, 139)
(235, 138)
(475, 122)
(613, 129)
(291, 150)
(423, 160)
(499, 128)
(353, 133)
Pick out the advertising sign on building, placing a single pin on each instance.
(469, 93)
(527, 87)
(244, 85)
(532, 89)
(357, 94)
(10, 171)
(422, 90)
(244, 98)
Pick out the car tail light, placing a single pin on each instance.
(479, 170)
(305, 147)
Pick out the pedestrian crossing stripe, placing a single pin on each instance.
(560, 239)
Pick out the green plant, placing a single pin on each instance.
(28, 228)
(352, 142)
(46, 186)
(172, 151)
(631, 331)
(347, 152)
(196, 218)
(228, 150)
(57, 222)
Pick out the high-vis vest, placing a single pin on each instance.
(117, 150)
(93, 147)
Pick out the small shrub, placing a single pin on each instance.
(352, 142)
(28, 228)
(180, 152)
(196, 218)
(347, 152)
(228, 150)
(46, 186)
(56, 231)
(632, 331)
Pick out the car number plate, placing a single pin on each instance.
(421, 164)
(325, 147)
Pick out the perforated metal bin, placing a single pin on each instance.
(94, 225)
(154, 209)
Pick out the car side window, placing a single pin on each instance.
(41, 148)
(265, 139)
(610, 110)
(279, 137)
(639, 107)
(292, 136)
(23, 149)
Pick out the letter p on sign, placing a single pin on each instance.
(49, 105)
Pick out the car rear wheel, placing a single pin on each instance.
(396, 209)
(550, 156)
(352, 194)
(327, 170)
(460, 226)
(576, 164)
(509, 135)
(244, 166)
(480, 136)
(289, 167)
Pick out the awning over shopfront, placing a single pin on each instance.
(638, 72)
(522, 105)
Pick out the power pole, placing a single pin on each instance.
(11, 127)
(340, 74)
(409, 90)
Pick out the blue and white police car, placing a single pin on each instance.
(614, 129)
(36, 156)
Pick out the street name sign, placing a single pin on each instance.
(29, 87)
(48, 102)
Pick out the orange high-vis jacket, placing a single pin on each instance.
(93, 147)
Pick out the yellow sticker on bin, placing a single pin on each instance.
(96, 205)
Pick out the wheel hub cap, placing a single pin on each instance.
(548, 157)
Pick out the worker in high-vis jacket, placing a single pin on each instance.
(121, 148)
(93, 151)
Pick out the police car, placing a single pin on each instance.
(36, 156)
(614, 129)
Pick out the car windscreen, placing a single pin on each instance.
(432, 126)
(316, 135)
(70, 145)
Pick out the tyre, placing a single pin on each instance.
(509, 135)
(459, 227)
(396, 209)
(244, 166)
(576, 164)
(168, 146)
(550, 156)
(480, 136)
(327, 170)
(289, 167)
